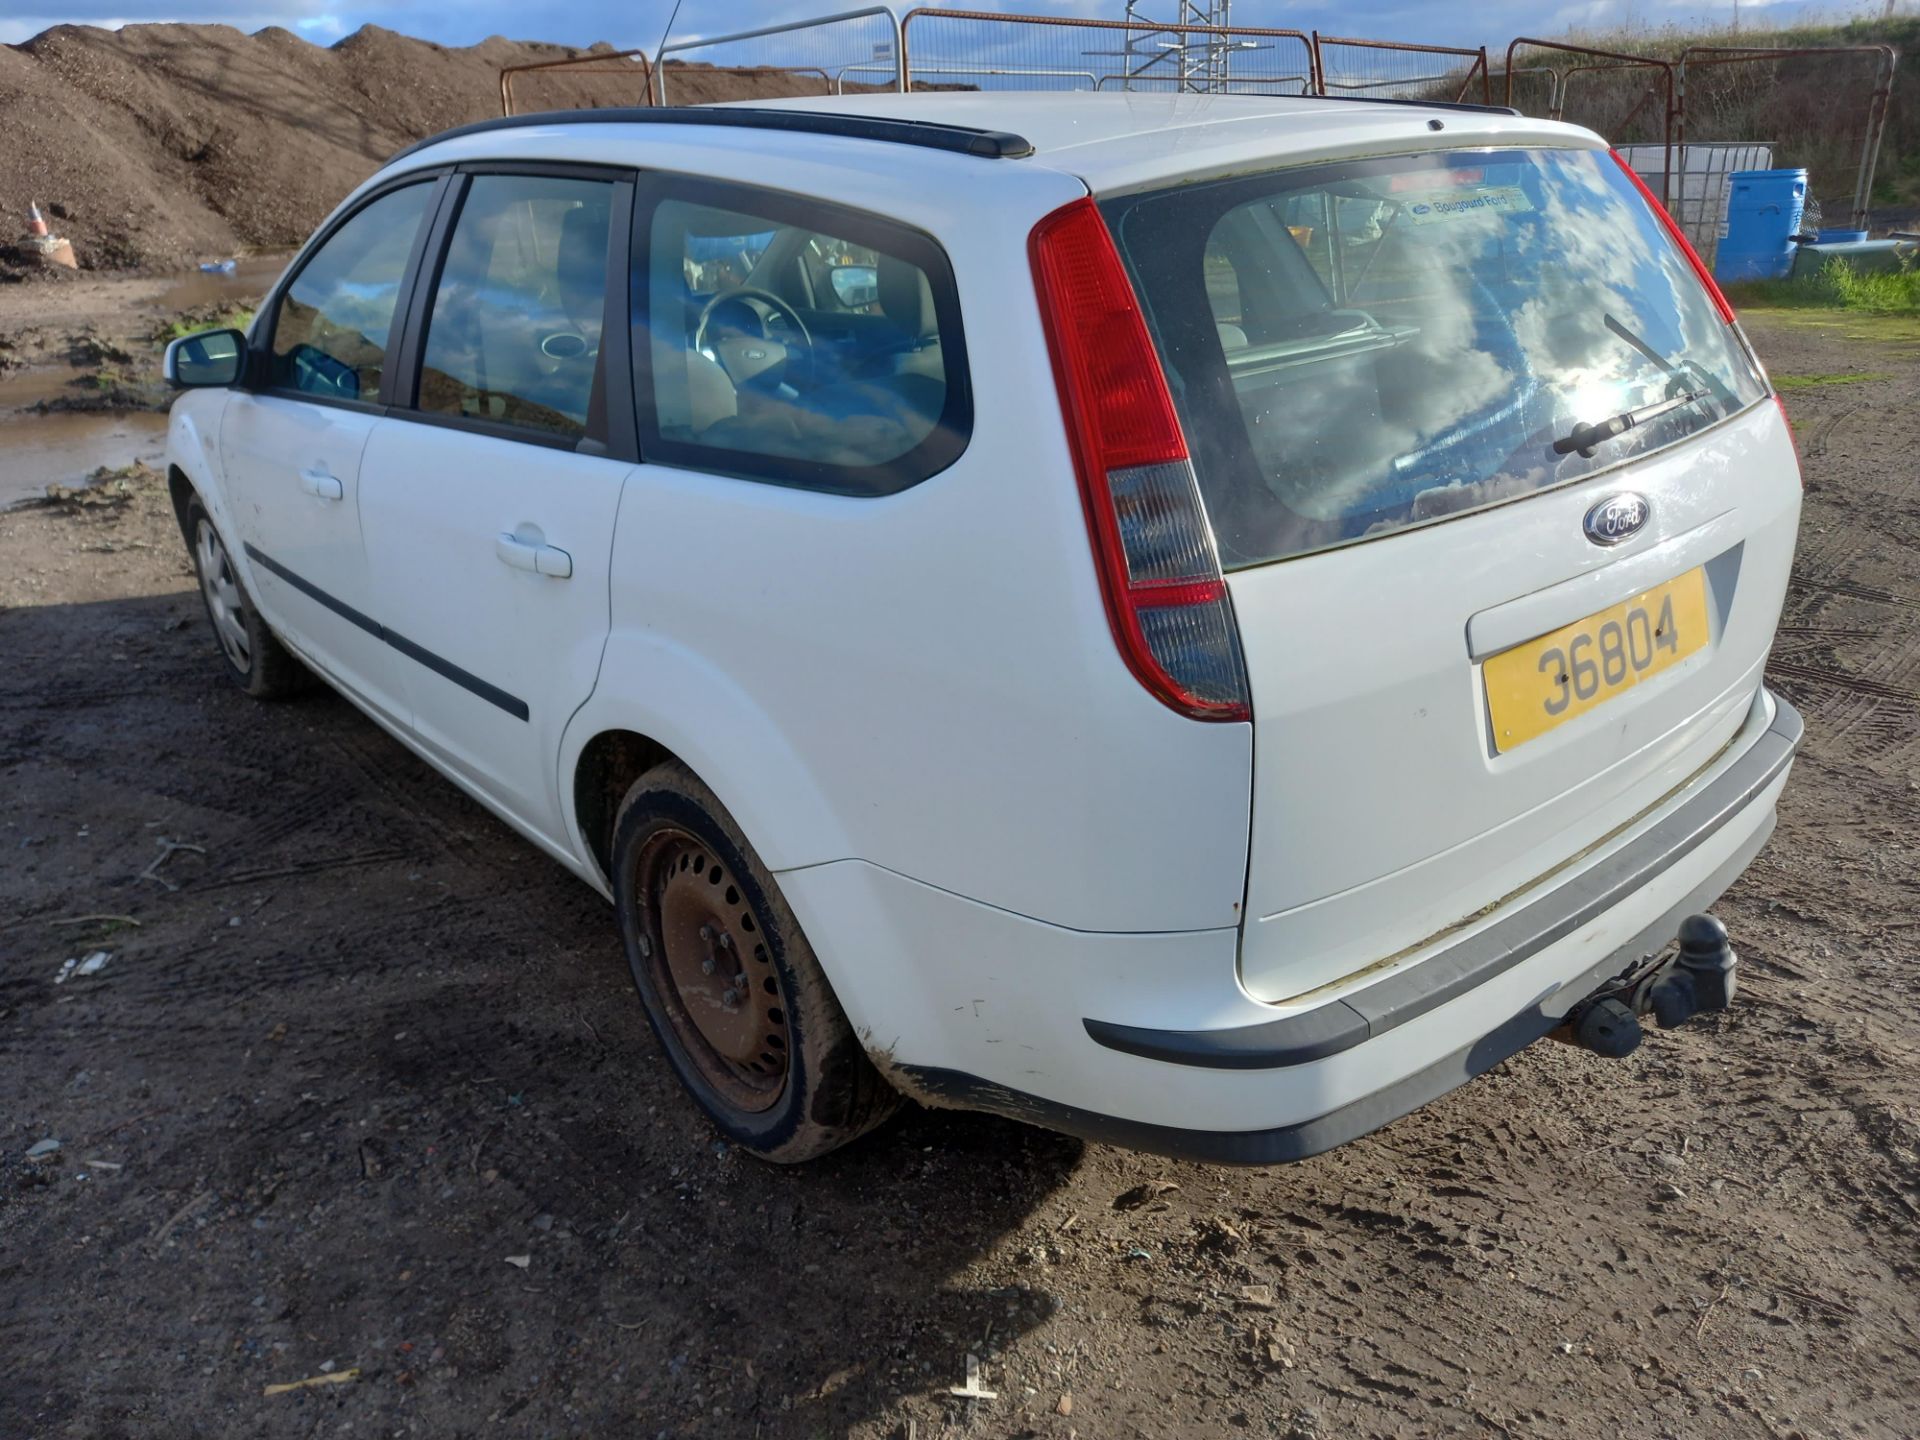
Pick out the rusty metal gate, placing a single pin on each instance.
(1398, 70)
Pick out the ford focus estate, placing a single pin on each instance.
(1200, 621)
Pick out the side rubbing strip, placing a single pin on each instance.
(492, 694)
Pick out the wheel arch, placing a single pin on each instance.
(658, 701)
(605, 770)
(181, 491)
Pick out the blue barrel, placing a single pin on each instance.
(1764, 210)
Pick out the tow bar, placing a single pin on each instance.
(1673, 990)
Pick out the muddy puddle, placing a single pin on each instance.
(64, 447)
(40, 448)
(67, 446)
(252, 276)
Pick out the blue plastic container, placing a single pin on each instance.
(1842, 237)
(1764, 211)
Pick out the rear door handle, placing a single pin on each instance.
(533, 555)
(320, 483)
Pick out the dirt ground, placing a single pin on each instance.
(363, 1094)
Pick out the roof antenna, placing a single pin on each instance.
(660, 56)
(672, 16)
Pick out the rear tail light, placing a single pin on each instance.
(1679, 238)
(1792, 439)
(1159, 570)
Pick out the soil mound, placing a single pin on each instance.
(160, 145)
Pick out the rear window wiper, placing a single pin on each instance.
(1584, 437)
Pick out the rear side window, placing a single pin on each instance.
(333, 323)
(1363, 347)
(793, 341)
(514, 334)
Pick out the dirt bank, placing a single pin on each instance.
(363, 1087)
(162, 145)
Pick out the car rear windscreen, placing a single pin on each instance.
(1361, 347)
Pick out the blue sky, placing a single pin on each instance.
(629, 23)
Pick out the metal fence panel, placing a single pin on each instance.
(1393, 69)
(812, 56)
(1055, 52)
(593, 81)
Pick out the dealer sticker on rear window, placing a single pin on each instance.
(1454, 204)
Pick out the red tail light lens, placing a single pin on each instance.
(1159, 569)
(1679, 238)
(1793, 439)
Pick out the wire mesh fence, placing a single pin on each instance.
(1826, 107)
(1049, 52)
(1394, 70)
(848, 51)
(578, 82)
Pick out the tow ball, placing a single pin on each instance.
(1673, 990)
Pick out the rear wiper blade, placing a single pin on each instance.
(1584, 437)
(1641, 345)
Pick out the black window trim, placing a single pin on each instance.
(613, 420)
(951, 433)
(260, 346)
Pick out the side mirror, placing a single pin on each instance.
(855, 286)
(213, 357)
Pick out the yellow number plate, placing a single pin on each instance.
(1546, 682)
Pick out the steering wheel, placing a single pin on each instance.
(754, 359)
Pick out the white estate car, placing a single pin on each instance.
(1200, 621)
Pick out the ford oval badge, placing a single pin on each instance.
(1617, 518)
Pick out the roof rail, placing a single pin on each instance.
(1416, 104)
(958, 139)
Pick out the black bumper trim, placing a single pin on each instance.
(1342, 1024)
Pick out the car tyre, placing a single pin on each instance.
(257, 661)
(733, 990)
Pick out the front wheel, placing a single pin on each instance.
(732, 988)
(257, 661)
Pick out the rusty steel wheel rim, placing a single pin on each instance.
(706, 950)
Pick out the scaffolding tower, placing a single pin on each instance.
(1195, 63)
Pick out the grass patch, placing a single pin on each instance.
(1838, 324)
(1837, 286)
(194, 321)
(1814, 382)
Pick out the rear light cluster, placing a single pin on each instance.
(1718, 295)
(1159, 569)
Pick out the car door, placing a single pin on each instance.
(292, 443)
(489, 499)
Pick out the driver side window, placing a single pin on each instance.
(334, 322)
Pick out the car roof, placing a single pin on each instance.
(1116, 140)
(1111, 141)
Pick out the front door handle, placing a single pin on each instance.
(320, 483)
(531, 553)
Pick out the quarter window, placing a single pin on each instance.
(515, 331)
(796, 342)
(333, 324)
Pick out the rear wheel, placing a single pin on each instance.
(257, 661)
(731, 986)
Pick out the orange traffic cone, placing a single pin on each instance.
(53, 250)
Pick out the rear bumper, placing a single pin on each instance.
(1689, 821)
(1149, 1041)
